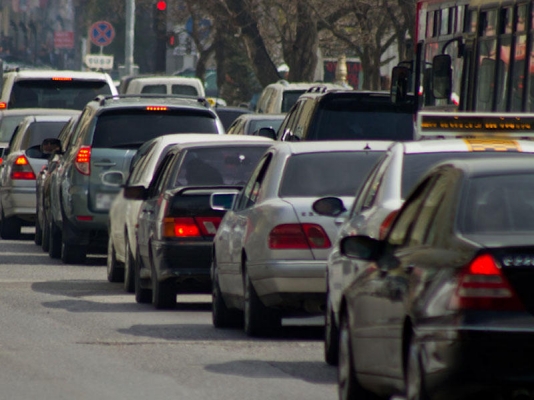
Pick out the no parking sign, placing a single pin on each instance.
(101, 33)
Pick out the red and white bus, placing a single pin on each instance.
(474, 55)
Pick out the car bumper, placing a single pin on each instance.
(20, 202)
(474, 360)
(294, 284)
(187, 263)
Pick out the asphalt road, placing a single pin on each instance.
(67, 333)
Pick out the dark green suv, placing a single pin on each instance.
(97, 160)
(331, 114)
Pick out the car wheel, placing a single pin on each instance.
(348, 385)
(38, 238)
(45, 236)
(129, 270)
(73, 253)
(222, 316)
(54, 245)
(414, 375)
(142, 295)
(163, 293)
(114, 269)
(9, 227)
(259, 320)
(331, 336)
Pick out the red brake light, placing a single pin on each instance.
(298, 236)
(156, 108)
(482, 286)
(22, 169)
(386, 223)
(180, 227)
(208, 225)
(83, 160)
(58, 78)
(3, 105)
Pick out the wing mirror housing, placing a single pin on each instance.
(267, 132)
(329, 206)
(223, 201)
(135, 193)
(113, 178)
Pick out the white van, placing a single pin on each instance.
(178, 85)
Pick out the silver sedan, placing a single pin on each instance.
(271, 248)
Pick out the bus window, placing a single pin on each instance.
(518, 73)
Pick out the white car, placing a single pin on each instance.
(168, 85)
(271, 247)
(383, 193)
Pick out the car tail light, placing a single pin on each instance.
(156, 108)
(3, 105)
(190, 226)
(386, 223)
(22, 169)
(298, 236)
(60, 78)
(83, 160)
(208, 225)
(482, 286)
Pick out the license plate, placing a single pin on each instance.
(104, 200)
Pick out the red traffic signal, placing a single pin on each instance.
(172, 39)
(161, 5)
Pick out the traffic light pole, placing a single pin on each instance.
(129, 45)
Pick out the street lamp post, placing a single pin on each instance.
(129, 37)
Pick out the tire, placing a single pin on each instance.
(129, 269)
(73, 253)
(258, 320)
(163, 293)
(348, 386)
(142, 295)
(9, 228)
(38, 238)
(45, 237)
(54, 237)
(221, 315)
(415, 387)
(331, 336)
(115, 271)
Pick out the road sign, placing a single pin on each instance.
(99, 61)
(64, 39)
(101, 33)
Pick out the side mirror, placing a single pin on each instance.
(362, 247)
(223, 201)
(267, 132)
(50, 146)
(400, 84)
(113, 178)
(442, 76)
(135, 193)
(329, 206)
(35, 152)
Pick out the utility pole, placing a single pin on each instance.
(129, 45)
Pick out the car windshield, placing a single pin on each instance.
(39, 131)
(503, 204)
(228, 165)
(415, 165)
(131, 128)
(326, 174)
(48, 93)
(289, 98)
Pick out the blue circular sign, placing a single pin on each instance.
(101, 33)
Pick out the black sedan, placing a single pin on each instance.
(443, 307)
(176, 224)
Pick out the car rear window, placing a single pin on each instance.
(154, 89)
(415, 165)
(326, 174)
(503, 204)
(272, 123)
(8, 125)
(48, 93)
(362, 119)
(228, 165)
(289, 98)
(39, 131)
(131, 128)
(186, 90)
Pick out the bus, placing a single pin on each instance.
(470, 56)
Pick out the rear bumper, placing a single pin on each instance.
(19, 201)
(187, 263)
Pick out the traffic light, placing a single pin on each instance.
(172, 40)
(160, 33)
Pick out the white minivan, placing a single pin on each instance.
(177, 85)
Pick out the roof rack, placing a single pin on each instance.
(435, 125)
(101, 99)
(321, 88)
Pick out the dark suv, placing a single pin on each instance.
(331, 114)
(97, 160)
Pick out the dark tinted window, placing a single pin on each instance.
(326, 174)
(186, 90)
(39, 131)
(415, 165)
(131, 128)
(362, 119)
(226, 165)
(154, 89)
(48, 93)
(289, 98)
(228, 116)
(503, 204)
